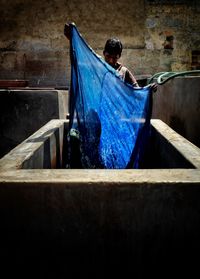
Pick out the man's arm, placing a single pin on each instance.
(129, 78)
(132, 80)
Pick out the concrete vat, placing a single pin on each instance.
(67, 223)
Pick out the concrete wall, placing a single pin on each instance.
(157, 36)
(73, 223)
(177, 103)
(22, 112)
(69, 224)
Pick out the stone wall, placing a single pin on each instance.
(157, 36)
(173, 31)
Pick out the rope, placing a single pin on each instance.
(163, 77)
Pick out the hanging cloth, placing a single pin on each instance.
(110, 117)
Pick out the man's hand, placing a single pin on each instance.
(67, 31)
(154, 86)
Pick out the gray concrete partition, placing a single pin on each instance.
(25, 110)
(177, 103)
(69, 223)
(42, 150)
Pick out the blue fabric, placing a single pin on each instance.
(112, 117)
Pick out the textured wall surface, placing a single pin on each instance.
(22, 112)
(157, 35)
(177, 103)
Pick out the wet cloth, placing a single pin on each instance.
(111, 116)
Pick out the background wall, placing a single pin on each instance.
(157, 36)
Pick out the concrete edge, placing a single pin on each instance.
(104, 177)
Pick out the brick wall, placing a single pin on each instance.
(157, 35)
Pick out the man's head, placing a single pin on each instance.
(112, 51)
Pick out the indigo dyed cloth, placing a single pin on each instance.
(112, 118)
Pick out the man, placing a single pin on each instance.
(112, 53)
